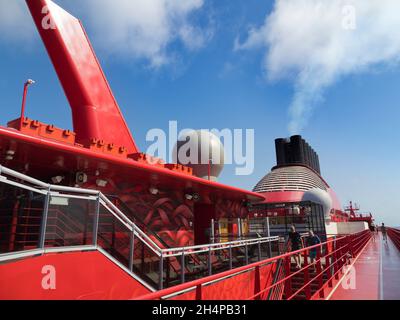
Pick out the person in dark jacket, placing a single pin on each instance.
(384, 232)
(295, 243)
(313, 240)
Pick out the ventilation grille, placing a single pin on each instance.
(293, 178)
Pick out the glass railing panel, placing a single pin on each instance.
(172, 271)
(197, 266)
(146, 263)
(238, 256)
(265, 250)
(113, 236)
(275, 248)
(253, 252)
(21, 213)
(221, 260)
(70, 222)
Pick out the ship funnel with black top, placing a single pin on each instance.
(296, 150)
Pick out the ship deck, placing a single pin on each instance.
(375, 274)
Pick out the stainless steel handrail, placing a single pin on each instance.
(173, 252)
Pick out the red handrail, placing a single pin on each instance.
(343, 248)
(394, 235)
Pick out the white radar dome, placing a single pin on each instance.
(201, 150)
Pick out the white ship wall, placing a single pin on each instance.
(346, 227)
(331, 228)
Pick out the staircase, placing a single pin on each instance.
(297, 281)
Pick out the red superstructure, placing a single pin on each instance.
(86, 204)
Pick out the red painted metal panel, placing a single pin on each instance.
(81, 275)
(95, 111)
(283, 196)
(237, 287)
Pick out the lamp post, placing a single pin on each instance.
(26, 85)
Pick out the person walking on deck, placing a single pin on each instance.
(295, 243)
(313, 240)
(384, 232)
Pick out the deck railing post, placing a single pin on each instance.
(96, 220)
(351, 248)
(43, 228)
(212, 233)
(230, 256)
(132, 249)
(246, 253)
(199, 294)
(288, 281)
(339, 258)
(259, 250)
(239, 228)
(319, 272)
(183, 266)
(334, 259)
(307, 289)
(269, 241)
(257, 284)
(328, 265)
(161, 275)
(209, 261)
(167, 272)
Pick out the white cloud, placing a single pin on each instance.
(15, 21)
(145, 28)
(312, 43)
(130, 28)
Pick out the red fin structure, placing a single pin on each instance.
(95, 112)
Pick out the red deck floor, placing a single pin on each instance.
(376, 274)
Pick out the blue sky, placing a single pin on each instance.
(354, 127)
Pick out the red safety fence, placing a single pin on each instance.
(394, 235)
(321, 264)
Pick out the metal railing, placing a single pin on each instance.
(120, 204)
(331, 257)
(76, 217)
(394, 235)
(209, 256)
